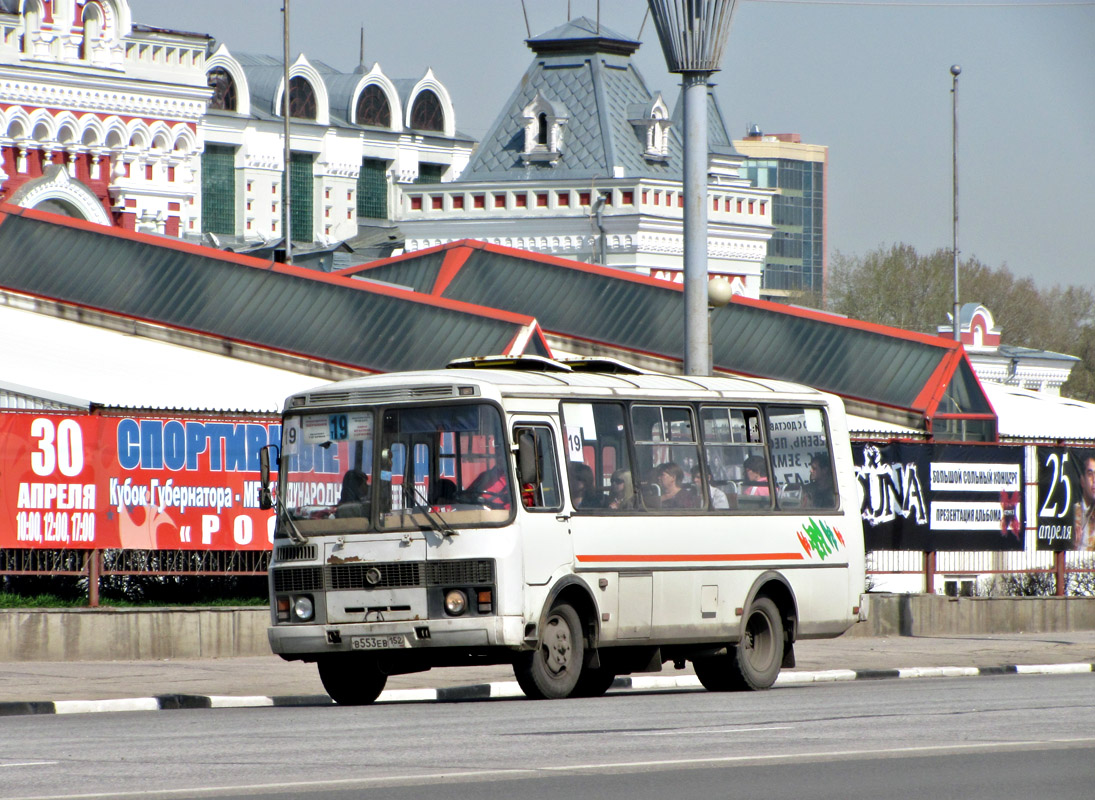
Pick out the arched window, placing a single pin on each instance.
(373, 107)
(302, 99)
(426, 112)
(542, 130)
(224, 89)
(93, 28)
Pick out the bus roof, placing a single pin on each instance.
(527, 381)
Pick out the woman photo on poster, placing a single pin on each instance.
(1083, 530)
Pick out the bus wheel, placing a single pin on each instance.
(594, 682)
(552, 671)
(754, 663)
(350, 680)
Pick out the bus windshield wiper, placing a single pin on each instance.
(291, 528)
(438, 524)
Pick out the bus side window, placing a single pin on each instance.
(537, 468)
(668, 456)
(598, 467)
(801, 458)
(737, 466)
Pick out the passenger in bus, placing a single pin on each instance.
(490, 488)
(675, 494)
(756, 477)
(718, 496)
(621, 492)
(354, 500)
(820, 492)
(583, 491)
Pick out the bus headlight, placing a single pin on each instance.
(303, 608)
(456, 602)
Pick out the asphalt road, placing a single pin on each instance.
(990, 737)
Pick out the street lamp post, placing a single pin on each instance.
(955, 71)
(286, 217)
(693, 34)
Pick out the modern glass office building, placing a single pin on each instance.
(797, 252)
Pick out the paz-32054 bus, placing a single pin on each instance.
(578, 520)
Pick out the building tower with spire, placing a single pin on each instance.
(585, 161)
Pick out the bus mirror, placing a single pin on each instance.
(526, 458)
(266, 500)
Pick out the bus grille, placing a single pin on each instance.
(300, 552)
(399, 574)
(298, 579)
(393, 575)
(459, 572)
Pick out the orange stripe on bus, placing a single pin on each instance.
(695, 557)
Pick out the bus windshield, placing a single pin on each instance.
(427, 467)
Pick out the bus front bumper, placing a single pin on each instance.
(296, 641)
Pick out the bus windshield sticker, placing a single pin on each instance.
(574, 442)
(814, 421)
(360, 426)
(315, 429)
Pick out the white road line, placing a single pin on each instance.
(531, 772)
(30, 764)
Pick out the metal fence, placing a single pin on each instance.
(95, 565)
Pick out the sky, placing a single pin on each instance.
(868, 78)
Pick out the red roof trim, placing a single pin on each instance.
(538, 333)
(454, 260)
(935, 386)
(268, 266)
(133, 236)
(845, 322)
(542, 258)
(193, 331)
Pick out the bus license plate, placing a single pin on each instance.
(377, 642)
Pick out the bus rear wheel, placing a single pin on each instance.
(553, 669)
(754, 663)
(351, 680)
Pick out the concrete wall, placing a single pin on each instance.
(937, 615)
(132, 634)
(143, 634)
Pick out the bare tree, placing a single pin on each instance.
(898, 286)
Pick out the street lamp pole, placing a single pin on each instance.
(693, 35)
(286, 218)
(955, 71)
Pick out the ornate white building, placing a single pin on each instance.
(585, 162)
(994, 362)
(100, 118)
(355, 138)
(146, 129)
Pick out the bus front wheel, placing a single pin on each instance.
(351, 680)
(553, 669)
(754, 663)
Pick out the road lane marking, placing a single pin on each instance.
(607, 767)
(31, 764)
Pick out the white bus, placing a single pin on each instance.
(579, 520)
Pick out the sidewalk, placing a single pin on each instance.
(249, 679)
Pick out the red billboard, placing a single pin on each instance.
(142, 482)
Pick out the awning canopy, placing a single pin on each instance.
(912, 380)
(239, 304)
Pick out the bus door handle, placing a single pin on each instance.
(562, 517)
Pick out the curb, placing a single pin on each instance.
(509, 689)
